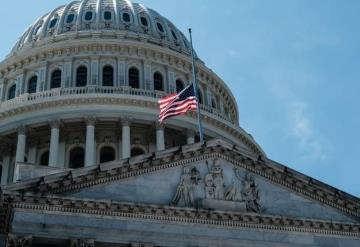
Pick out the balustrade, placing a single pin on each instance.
(59, 92)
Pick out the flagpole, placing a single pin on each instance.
(195, 85)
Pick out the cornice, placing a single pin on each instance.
(125, 169)
(160, 213)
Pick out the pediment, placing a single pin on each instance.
(213, 184)
(214, 176)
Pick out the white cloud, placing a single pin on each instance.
(300, 125)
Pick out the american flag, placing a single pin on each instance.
(178, 104)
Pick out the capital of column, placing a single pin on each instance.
(159, 126)
(55, 123)
(125, 121)
(21, 130)
(90, 120)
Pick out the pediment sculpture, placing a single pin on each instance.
(211, 190)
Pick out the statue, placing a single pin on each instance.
(214, 182)
(250, 194)
(185, 190)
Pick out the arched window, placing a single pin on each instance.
(70, 18)
(179, 86)
(55, 79)
(32, 84)
(144, 21)
(81, 76)
(134, 78)
(136, 151)
(107, 154)
(12, 92)
(160, 27)
(53, 23)
(44, 159)
(158, 82)
(108, 76)
(77, 158)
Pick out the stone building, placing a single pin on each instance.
(84, 161)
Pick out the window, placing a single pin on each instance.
(12, 92)
(136, 151)
(53, 23)
(126, 17)
(44, 159)
(174, 35)
(77, 158)
(160, 27)
(81, 76)
(55, 79)
(144, 21)
(134, 80)
(70, 18)
(32, 84)
(107, 15)
(88, 16)
(107, 154)
(158, 82)
(108, 76)
(179, 86)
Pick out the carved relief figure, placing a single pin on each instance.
(185, 189)
(250, 194)
(214, 182)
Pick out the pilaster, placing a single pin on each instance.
(147, 77)
(171, 84)
(121, 73)
(67, 73)
(20, 84)
(94, 78)
(41, 85)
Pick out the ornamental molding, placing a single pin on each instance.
(184, 216)
(129, 49)
(211, 120)
(187, 155)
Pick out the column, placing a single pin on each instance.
(90, 142)
(21, 144)
(32, 153)
(208, 96)
(126, 142)
(94, 71)
(190, 136)
(121, 74)
(160, 140)
(54, 143)
(5, 168)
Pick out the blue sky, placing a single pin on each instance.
(293, 66)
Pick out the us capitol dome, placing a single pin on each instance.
(79, 135)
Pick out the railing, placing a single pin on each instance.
(63, 92)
